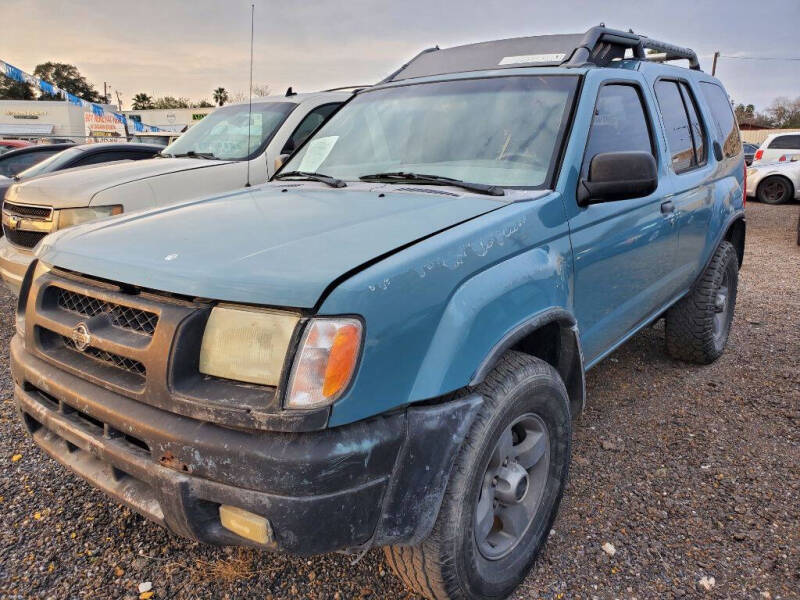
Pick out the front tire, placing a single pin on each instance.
(775, 190)
(504, 490)
(697, 326)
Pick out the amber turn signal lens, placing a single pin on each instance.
(325, 362)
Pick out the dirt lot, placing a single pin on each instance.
(691, 473)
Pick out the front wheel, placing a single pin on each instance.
(503, 492)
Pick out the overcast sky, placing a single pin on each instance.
(189, 47)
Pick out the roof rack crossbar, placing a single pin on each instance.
(598, 46)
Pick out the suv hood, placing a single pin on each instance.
(76, 187)
(274, 245)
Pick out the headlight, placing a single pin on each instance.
(38, 269)
(246, 344)
(325, 362)
(68, 217)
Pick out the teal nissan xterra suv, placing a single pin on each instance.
(386, 345)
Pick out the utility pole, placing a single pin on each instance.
(119, 100)
(714, 64)
(105, 92)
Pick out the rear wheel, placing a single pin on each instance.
(504, 490)
(775, 190)
(697, 326)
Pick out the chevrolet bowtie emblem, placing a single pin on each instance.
(12, 223)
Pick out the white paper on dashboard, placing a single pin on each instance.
(316, 152)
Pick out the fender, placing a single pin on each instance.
(488, 305)
(569, 362)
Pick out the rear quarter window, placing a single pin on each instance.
(785, 142)
(722, 113)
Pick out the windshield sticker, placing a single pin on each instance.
(316, 152)
(532, 58)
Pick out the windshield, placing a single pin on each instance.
(223, 132)
(50, 164)
(502, 131)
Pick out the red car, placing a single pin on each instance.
(6, 145)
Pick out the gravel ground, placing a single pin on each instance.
(691, 473)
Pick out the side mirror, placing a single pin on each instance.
(280, 159)
(618, 176)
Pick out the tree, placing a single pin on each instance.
(171, 102)
(11, 89)
(68, 78)
(785, 113)
(142, 101)
(220, 96)
(204, 104)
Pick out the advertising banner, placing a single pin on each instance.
(105, 126)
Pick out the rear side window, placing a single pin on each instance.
(785, 142)
(676, 122)
(684, 131)
(698, 132)
(619, 124)
(723, 116)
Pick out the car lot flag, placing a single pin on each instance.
(46, 87)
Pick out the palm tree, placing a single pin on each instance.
(220, 96)
(142, 101)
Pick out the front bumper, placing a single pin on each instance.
(371, 483)
(14, 262)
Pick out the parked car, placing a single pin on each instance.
(386, 345)
(212, 157)
(749, 152)
(775, 183)
(81, 156)
(16, 161)
(775, 145)
(7, 145)
(162, 138)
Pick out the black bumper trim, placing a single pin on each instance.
(371, 483)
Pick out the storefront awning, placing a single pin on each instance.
(26, 128)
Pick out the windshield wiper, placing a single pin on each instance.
(192, 154)
(326, 179)
(481, 188)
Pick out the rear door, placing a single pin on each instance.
(623, 250)
(691, 172)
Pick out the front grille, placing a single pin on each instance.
(35, 212)
(125, 317)
(115, 360)
(26, 239)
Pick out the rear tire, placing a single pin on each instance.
(524, 420)
(775, 190)
(698, 325)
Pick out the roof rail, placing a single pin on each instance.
(598, 46)
(355, 88)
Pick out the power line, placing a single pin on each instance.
(790, 58)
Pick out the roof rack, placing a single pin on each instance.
(598, 46)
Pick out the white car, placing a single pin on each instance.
(776, 145)
(775, 183)
(223, 152)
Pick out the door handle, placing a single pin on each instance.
(667, 207)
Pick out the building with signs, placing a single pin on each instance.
(173, 119)
(33, 119)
